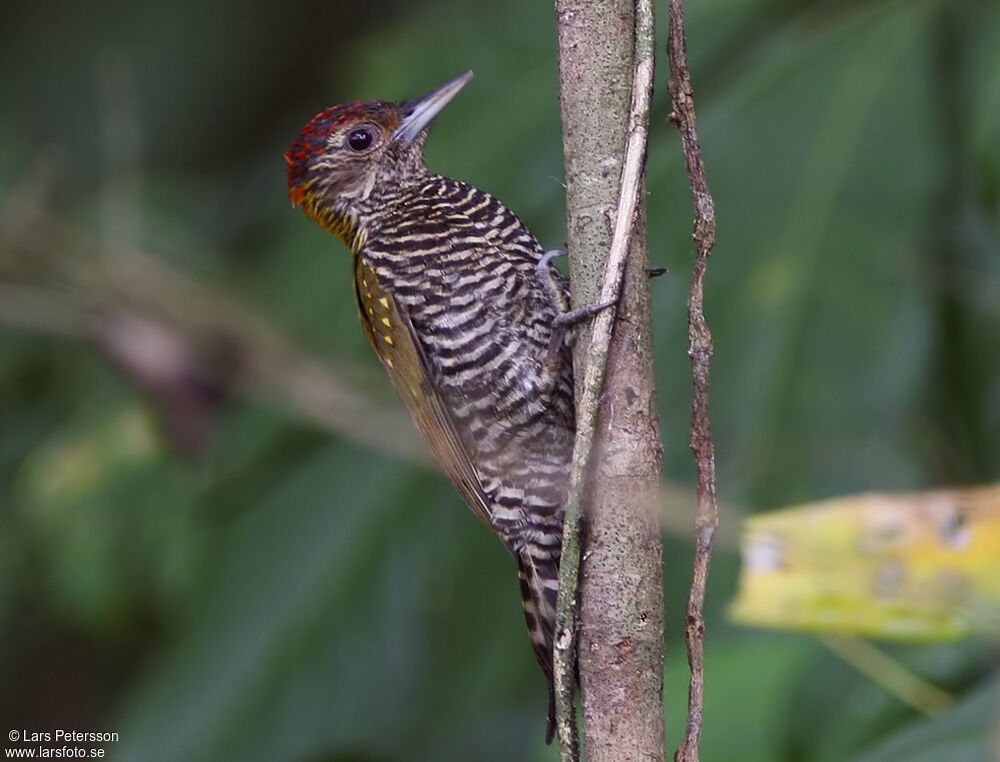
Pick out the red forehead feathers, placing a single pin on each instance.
(311, 142)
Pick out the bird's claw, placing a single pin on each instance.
(575, 316)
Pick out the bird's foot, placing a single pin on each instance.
(547, 279)
(565, 317)
(573, 317)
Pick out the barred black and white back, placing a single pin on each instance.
(463, 267)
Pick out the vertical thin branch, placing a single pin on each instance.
(577, 28)
(700, 351)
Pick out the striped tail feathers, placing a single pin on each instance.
(539, 578)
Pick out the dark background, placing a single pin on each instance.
(221, 578)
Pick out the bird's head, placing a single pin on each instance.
(350, 151)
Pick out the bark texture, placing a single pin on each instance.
(621, 591)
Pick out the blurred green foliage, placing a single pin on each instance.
(291, 596)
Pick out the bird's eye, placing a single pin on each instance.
(361, 139)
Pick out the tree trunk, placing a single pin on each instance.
(621, 587)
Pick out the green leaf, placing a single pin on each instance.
(966, 733)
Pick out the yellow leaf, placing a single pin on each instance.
(918, 567)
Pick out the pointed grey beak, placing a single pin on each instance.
(419, 113)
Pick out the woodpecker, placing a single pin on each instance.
(469, 318)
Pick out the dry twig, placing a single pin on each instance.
(700, 350)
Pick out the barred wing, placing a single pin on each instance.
(391, 334)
